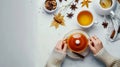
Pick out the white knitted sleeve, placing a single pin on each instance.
(55, 59)
(116, 63)
(105, 57)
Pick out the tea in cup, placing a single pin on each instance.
(106, 3)
(85, 19)
(104, 7)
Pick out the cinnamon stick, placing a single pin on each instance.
(113, 34)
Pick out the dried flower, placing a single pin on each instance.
(105, 24)
(70, 15)
(73, 7)
(58, 20)
(85, 3)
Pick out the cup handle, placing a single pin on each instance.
(112, 13)
(95, 22)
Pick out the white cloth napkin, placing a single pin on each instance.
(114, 24)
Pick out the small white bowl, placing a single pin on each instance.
(50, 11)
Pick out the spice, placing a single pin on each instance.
(60, 0)
(73, 7)
(119, 1)
(70, 15)
(50, 4)
(58, 19)
(76, 1)
(113, 34)
(81, 56)
(105, 24)
(85, 3)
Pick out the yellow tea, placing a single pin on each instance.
(85, 18)
(106, 3)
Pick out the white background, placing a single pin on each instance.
(27, 40)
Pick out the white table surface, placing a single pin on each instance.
(27, 40)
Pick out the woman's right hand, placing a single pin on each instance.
(95, 44)
(61, 47)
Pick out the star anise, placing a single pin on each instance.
(105, 24)
(76, 1)
(60, 0)
(70, 15)
(119, 29)
(85, 2)
(73, 7)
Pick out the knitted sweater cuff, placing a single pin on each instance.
(105, 57)
(55, 59)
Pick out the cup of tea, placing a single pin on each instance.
(85, 19)
(104, 7)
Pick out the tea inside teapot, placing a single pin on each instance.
(77, 42)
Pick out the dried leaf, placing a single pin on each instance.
(76, 1)
(105, 24)
(73, 7)
(85, 3)
(58, 19)
(70, 15)
(55, 24)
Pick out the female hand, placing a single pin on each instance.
(95, 44)
(61, 47)
(58, 54)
